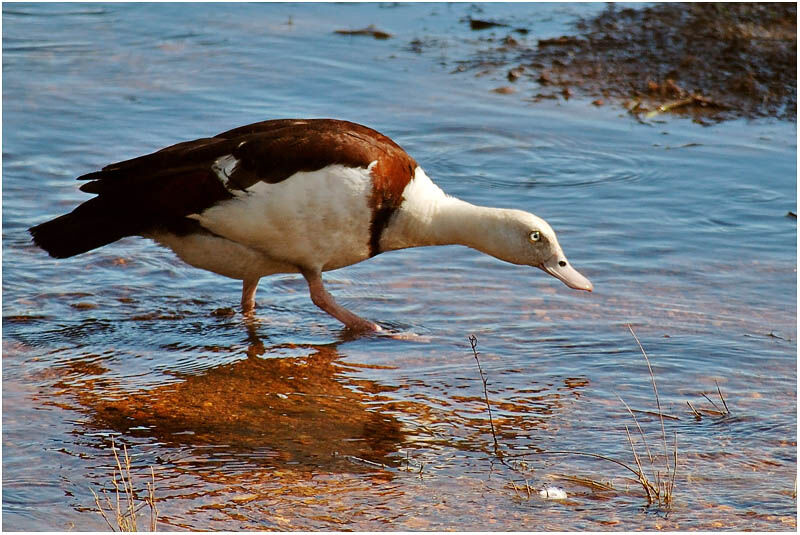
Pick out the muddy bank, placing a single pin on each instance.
(715, 61)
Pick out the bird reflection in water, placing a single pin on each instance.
(300, 410)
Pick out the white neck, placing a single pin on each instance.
(458, 222)
(430, 217)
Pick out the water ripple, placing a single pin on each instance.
(552, 162)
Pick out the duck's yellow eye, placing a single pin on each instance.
(535, 235)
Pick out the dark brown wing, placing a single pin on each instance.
(269, 151)
(272, 151)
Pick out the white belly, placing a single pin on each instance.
(314, 220)
(222, 256)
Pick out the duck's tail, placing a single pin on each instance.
(95, 223)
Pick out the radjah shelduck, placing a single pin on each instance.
(292, 196)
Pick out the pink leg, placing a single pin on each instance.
(249, 295)
(325, 301)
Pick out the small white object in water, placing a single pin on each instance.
(553, 493)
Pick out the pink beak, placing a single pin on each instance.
(560, 269)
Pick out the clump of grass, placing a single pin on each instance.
(659, 485)
(716, 411)
(122, 506)
(660, 489)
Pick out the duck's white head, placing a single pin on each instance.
(523, 238)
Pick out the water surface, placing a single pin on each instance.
(286, 422)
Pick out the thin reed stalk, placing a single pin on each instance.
(473, 342)
(655, 391)
(722, 398)
(124, 507)
(641, 434)
(720, 411)
(667, 485)
(648, 487)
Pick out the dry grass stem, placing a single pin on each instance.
(720, 411)
(709, 412)
(473, 342)
(717, 410)
(655, 391)
(124, 507)
(648, 487)
(654, 413)
(580, 454)
(669, 483)
(722, 398)
(584, 481)
(674, 463)
(641, 434)
(100, 508)
(697, 415)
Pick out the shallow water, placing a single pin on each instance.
(285, 422)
